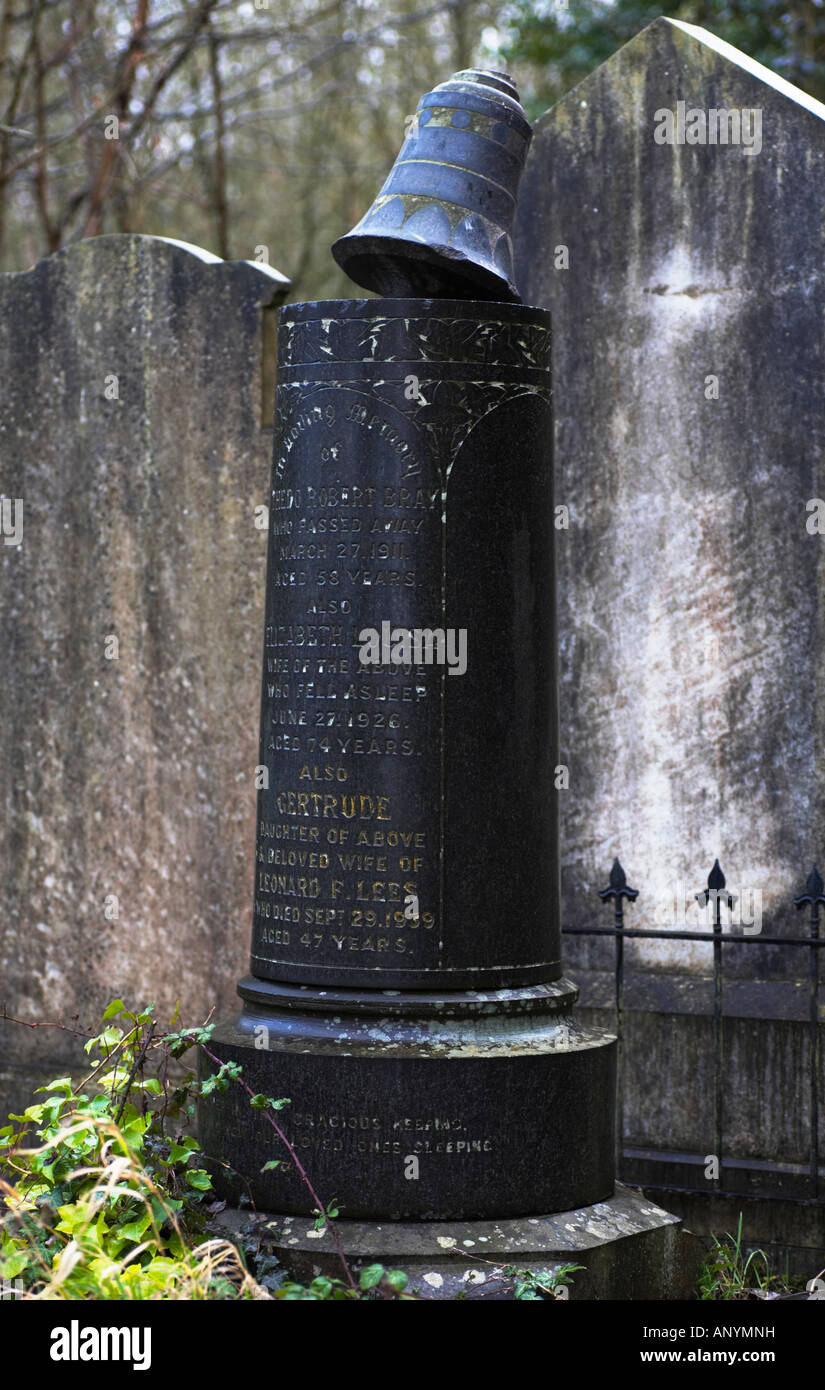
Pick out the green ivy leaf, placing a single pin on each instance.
(371, 1276)
(63, 1084)
(10, 1268)
(200, 1179)
(262, 1102)
(178, 1153)
(134, 1230)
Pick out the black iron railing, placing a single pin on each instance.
(814, 897)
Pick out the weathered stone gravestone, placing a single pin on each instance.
(690, 440)
(671, 218)
(134, 449)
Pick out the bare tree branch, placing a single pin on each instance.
(221, 209)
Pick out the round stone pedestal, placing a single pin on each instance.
(424, 1107)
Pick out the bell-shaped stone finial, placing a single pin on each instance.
(441, 227)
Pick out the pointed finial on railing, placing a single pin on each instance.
(715, 888)
(814, 890)
(617, 887)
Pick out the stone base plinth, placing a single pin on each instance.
(423, 1107)
(630, 1249)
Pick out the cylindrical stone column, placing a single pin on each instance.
(412, 490)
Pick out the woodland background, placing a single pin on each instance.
(250, 124)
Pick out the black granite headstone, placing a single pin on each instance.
(406, 990)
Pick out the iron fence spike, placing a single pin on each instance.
(618, 886)
(716, 879)
(715, 888)
(814, 889)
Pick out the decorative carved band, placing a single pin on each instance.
(473, 341)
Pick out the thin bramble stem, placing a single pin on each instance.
(27, 1023)
(135, 1068)
(293, 1153)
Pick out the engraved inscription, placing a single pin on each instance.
(427, 1135)
(346, 835)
